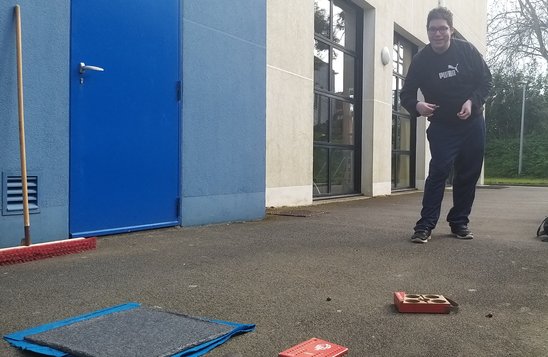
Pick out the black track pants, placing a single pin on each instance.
(460, 145)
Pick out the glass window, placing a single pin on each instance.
(398, 58)
(321, 65)
(395, 132)
(343, 73)
(403, 125)
(342, 123)
(394, 170)
(344, 25)
(336, 56)
(405, 134)
(395, 58)
(397, 84)
(322, 16)
(402, 56)
(321, 118)
(321, 171)
(404, 164)
(341, 167)
(395, 98)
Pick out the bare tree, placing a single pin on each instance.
(517, 30)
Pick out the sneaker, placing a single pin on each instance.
(462, 232)
(421, 237)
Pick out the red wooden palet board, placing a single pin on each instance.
(421, 303)
(315, 348)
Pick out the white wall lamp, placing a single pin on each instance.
(385, 56)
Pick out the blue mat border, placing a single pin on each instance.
(17, 339)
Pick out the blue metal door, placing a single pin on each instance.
(124, 116)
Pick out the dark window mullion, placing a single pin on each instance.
(334, 96)
(330, 20)
(320, 37)
(331, 74)
(330, 120)
(345, 50)
(326, 145)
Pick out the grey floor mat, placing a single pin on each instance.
(139, 332)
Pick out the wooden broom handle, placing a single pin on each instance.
(26, 215)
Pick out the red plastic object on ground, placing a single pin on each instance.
(422, 303)
(315, 348)
(45, 250)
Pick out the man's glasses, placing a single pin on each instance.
(442, 30)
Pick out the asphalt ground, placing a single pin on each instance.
(330, 274)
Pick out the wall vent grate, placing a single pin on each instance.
(13, 195)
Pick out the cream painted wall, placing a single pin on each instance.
(376, 101)
(289, 102)
(290, 80)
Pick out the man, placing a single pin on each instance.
(455, 82)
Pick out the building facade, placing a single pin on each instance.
(334, 123)
(192, 112)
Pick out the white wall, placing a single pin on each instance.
(290, 102)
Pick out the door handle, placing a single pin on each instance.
(84, 68)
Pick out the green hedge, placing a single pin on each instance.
(502, 157)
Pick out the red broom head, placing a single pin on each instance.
(45, 250)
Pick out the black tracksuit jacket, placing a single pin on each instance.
(448, 80)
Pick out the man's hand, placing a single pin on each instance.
(426, 109)
(466, 110)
